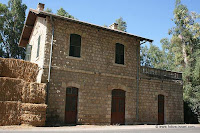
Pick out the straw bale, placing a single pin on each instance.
(33, 114)
(34, 93)
(26, 92)
(16, 68)
(10, 113)
(11, 89)
(34, 120)
(16, 113)
(1, 65)
(33, 107)
(38, 93)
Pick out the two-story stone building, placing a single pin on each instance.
(94, 74)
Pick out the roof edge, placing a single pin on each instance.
(43, 13)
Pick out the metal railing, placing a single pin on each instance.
(163, 74)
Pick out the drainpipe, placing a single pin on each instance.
(137, 80)
(50, 60)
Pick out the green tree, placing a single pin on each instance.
(185, 48)
(145, 59)
(106, 26)
(121, 24)
(11, 25)
(48, 10)
(62, 12)
(153, 57)
(168, 55)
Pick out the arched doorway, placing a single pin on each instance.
(118, 107)
(71, 105)
(161, 109)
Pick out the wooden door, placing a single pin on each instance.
(71, 105)
(118, 107)
(160, 109)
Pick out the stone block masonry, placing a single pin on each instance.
(148, 101)
(95, 74)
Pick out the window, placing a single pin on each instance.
(38, 48)
(28, 52)
(75, 45)
(119, 53)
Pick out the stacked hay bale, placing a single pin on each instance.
(20, 69)
(33, 114)
(22, 100)
(10, 113)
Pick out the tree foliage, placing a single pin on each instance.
(11, 25)
(48, 10)
(180, 53)
(62, 12)
(156, 58)
(121, 24)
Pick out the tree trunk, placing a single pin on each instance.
(185, 55)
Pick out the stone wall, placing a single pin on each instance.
(148, 100)
(95, 74)
(97, 49)
(94, 96)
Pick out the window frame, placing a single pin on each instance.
(28, 52)
(117, 53)
(75, 47)
(38, 46)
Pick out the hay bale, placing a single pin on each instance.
(34, 93)
(1, 65)
(10, 113)
(33, 114)
(33, 107)
(38, 93)
(33, 120)
(26, 92)
(11, 89)
(16, 113)
(16, 68)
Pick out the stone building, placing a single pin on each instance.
(94, 74)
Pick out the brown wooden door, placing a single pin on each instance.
(71, 105)
(118, 107)
(160, 109)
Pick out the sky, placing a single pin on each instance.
(147, 18)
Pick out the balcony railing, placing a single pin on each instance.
(163, 74)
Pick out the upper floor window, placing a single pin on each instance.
(119, 53)
(38, 47)
(28, 52)
(75, 45)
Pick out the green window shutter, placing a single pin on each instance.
(75, 45)
(38, 48)
(119, 53)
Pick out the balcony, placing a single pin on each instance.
(158, 73)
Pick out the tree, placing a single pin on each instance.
(106, 26)
(62, 12)
(185, 48)
(11, 25)
(153, 57)
(121, 24)
(48, 10)
(144, 56)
